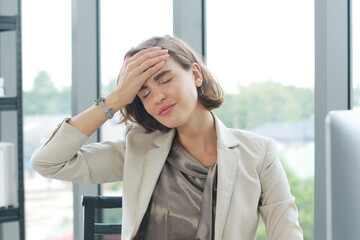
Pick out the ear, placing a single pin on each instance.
(196, 71)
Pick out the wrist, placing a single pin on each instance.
(114, 101)
(109, 112)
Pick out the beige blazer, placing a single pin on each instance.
(251, 180)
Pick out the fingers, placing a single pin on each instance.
(152, 70)
(144, 51)
(148, 63)
(136, 56)
(151, 56)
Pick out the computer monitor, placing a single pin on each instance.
(342, 175)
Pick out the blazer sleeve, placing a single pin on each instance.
(277, 205)
(64, 156)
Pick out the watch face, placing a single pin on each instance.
(100, 99)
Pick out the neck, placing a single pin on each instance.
(199, 138)
(201, 124)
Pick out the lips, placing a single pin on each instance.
(166, 109)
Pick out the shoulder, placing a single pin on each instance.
(244, 140)
(253, 142)
(247, 137)
(136, 130)
(137, 135)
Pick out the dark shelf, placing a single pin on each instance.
(14, 103)
(8, 103)
(9, 214)
(7, 23)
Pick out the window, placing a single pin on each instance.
(264, 59)
(123, 26)
(47, 86)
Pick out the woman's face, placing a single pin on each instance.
(170, 95)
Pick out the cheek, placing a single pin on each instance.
(191, 92)
(149, 109)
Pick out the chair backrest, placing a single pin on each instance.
(93, 224)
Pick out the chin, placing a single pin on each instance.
(172, 120)
(170, 124)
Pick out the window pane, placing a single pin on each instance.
(123, 26)
(47, 81)
(355, 33)
(264, 59)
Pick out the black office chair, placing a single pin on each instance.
(102, 217)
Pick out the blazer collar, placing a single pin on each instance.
(164, 140)
(224, 135)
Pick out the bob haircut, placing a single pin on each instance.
(210, 93)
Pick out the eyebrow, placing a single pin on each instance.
(157, 77)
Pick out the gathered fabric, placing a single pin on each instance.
(184, 200)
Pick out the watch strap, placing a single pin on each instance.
(108, 111)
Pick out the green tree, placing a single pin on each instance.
(63, 100)
(266, 102)
(44, 98)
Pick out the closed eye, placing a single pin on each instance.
(145, 92)
(166, 81)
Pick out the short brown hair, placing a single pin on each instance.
(210, 93)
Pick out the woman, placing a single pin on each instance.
(185, 175)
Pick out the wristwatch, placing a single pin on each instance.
(108, 111)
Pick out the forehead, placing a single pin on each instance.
(171, 64)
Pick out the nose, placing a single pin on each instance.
(158, 96)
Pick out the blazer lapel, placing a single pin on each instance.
(227, 171)
(155, 160)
